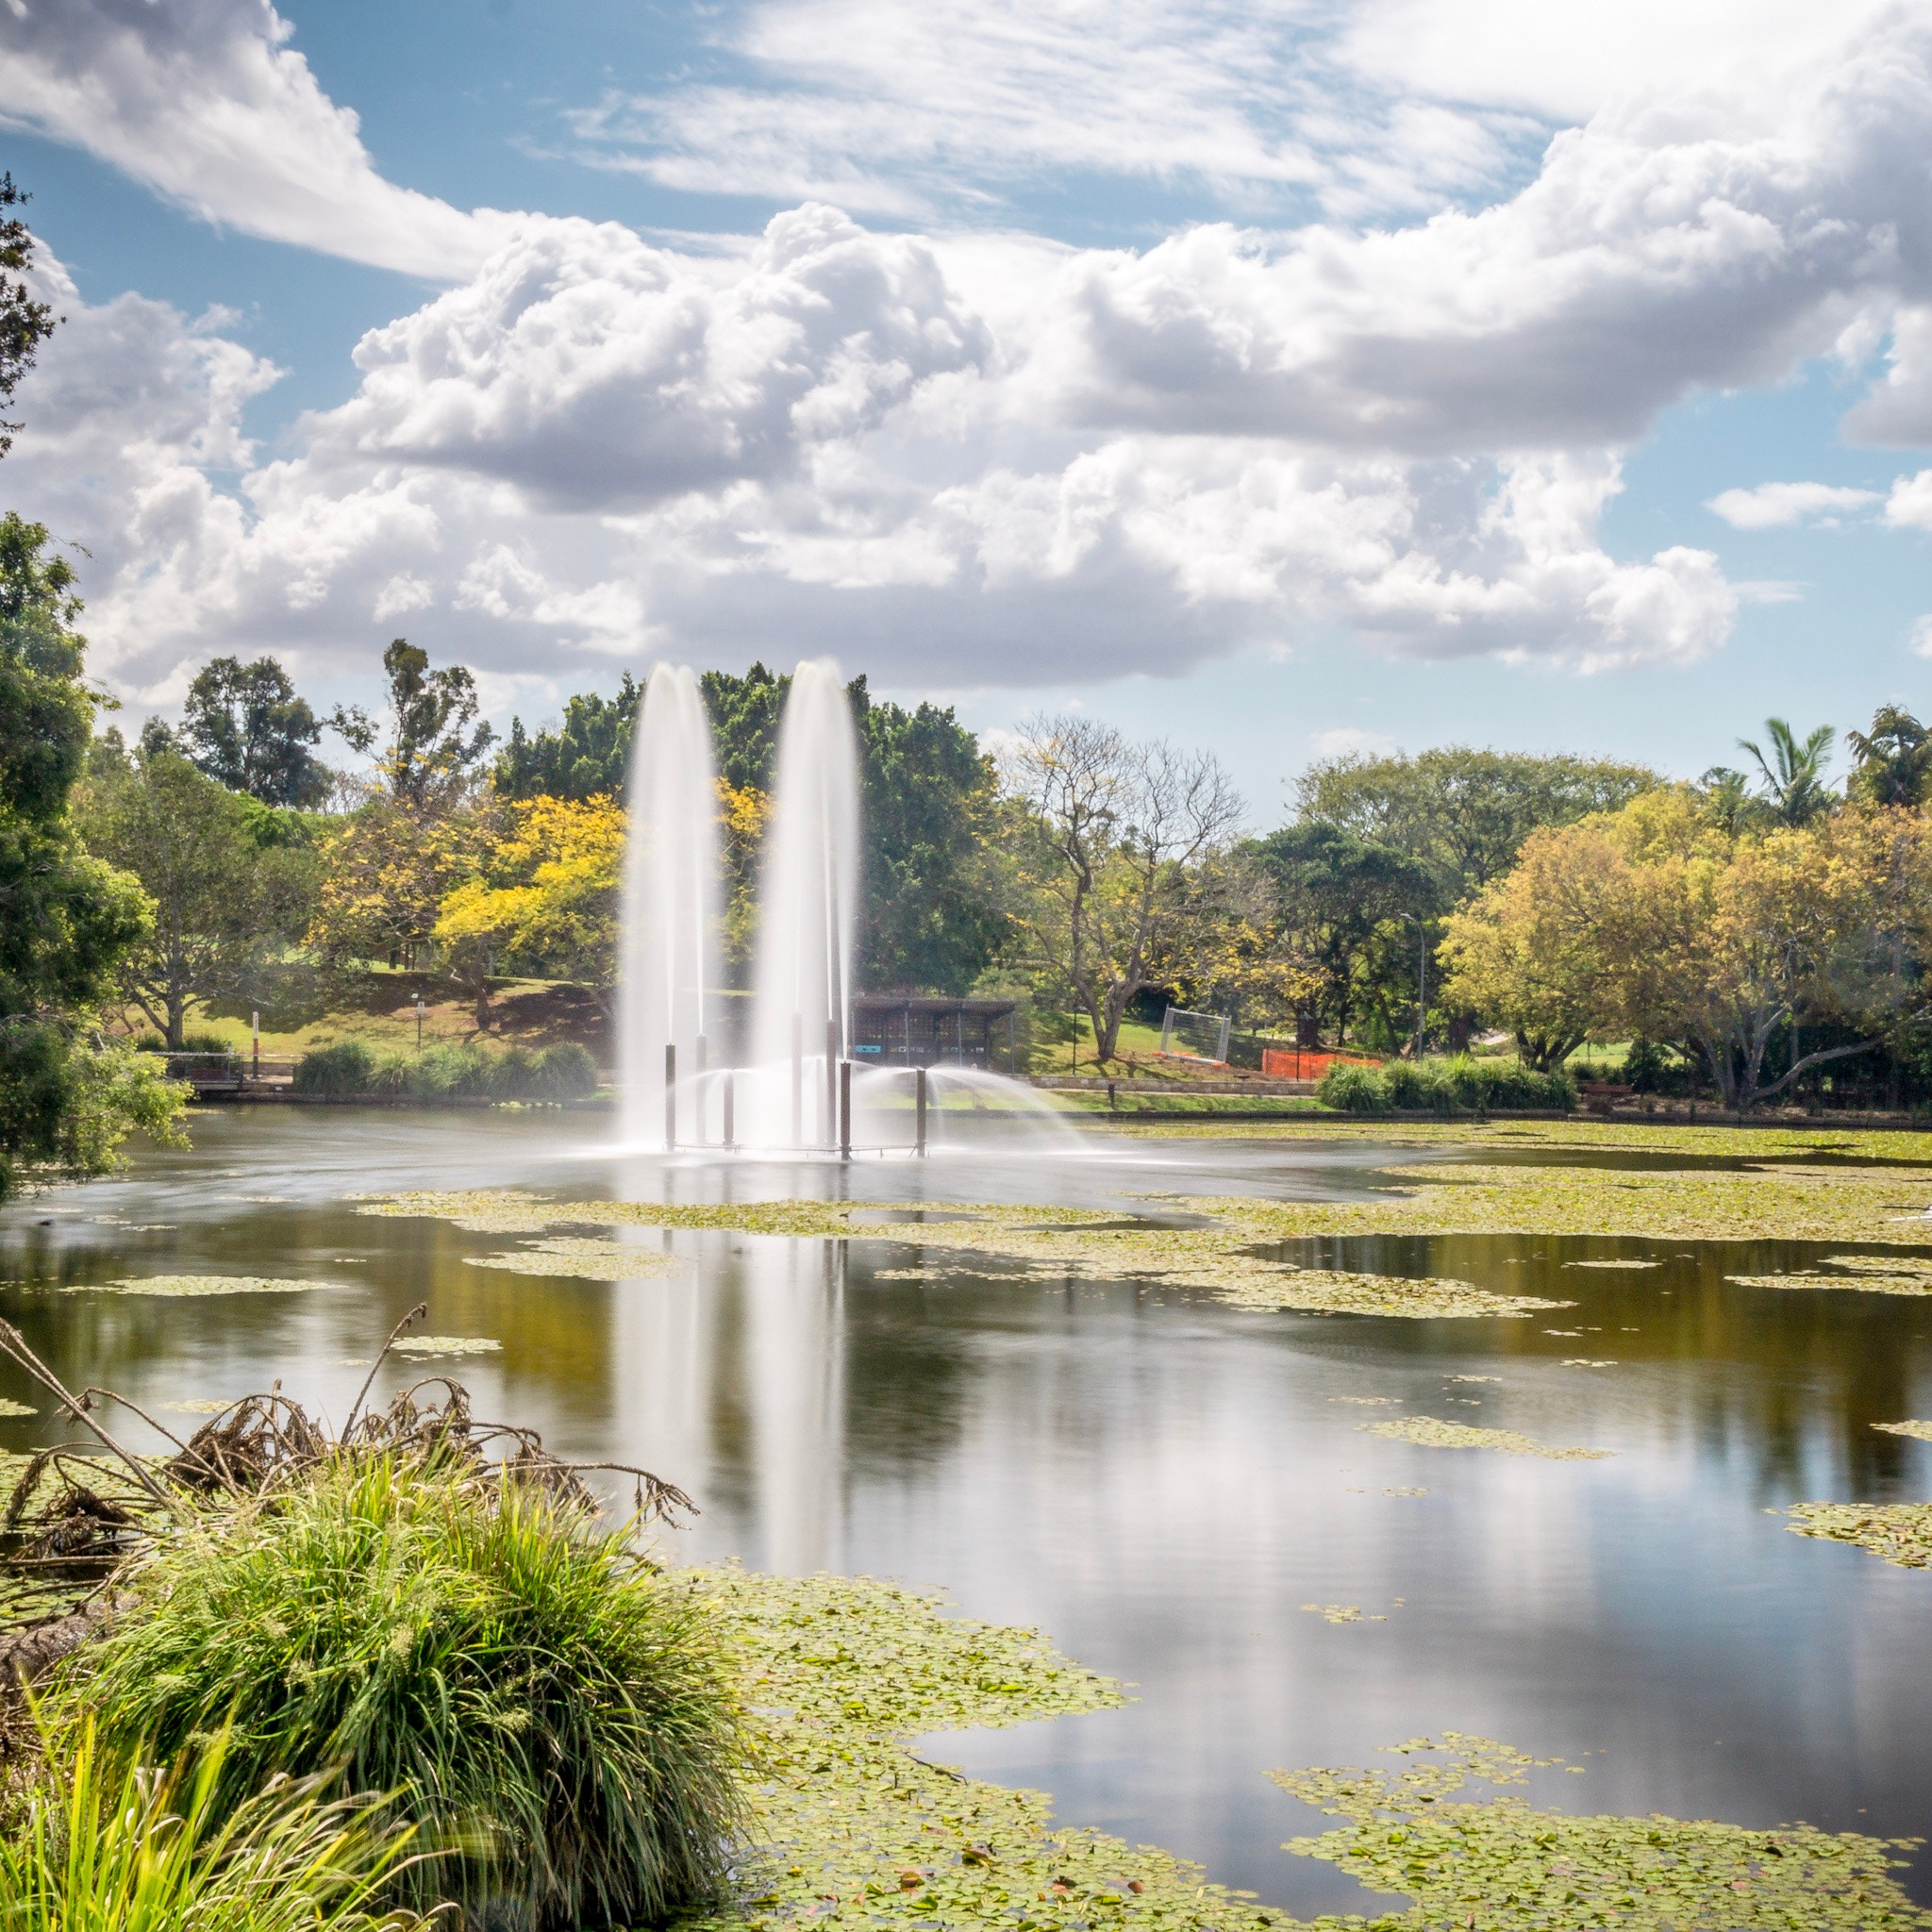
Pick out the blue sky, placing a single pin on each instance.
(1284, 377)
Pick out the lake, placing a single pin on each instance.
(1162, 1482)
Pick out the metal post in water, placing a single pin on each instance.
(844, 1109)
(918, 1111)
(254, 1031)
(698, 1093)
(730, 1092)
(670, 1094)
(832, 1064)
(797, 1080)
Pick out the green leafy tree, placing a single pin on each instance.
(224, 899)
(1337, 896)
(586, 756)
(435, 742)
(67, 919)
(1463, 812)
(1793, 777)
(927, 803)
(246, 729)
(25, 324)
(1893, 760)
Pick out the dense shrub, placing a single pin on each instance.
(344, 1068)
(1461, 1085)
(556, 1715)
(1352, 1088)
(450, 1072)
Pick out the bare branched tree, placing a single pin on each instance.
(1119, 836)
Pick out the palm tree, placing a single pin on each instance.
(1894, 758)
(1794, 774)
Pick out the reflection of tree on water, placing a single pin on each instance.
(734, 1376)
(1792, 1379)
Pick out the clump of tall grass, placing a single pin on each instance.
(554, 1714)
(100, 1842)
(1461, 1084)
(449, 1070)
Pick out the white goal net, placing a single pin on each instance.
(1195, 1036)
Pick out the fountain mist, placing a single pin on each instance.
(808, 892)
(671, 902)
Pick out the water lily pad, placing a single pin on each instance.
(9, 1407)
(1921, 1430)
(1899, 1532)
(195, 1284)
(1499, 1863)
(1614, 1264)
(1866, 1282)
(1431, 1432)
(446, 1344)
(591, 1260)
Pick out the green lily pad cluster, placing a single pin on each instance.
(1899, 1532)
(1429, 1432)
(851, 1828)
(1504, 1866)
(1906, 1274)
(565, 1256)
(194, 1286)
(1217, 1256)
(446, 1345)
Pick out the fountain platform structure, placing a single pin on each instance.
(922, 1030)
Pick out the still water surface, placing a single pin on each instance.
(1160, 1481)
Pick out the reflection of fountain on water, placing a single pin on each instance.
(790, 1094)
(741, 1390)
(670, 906)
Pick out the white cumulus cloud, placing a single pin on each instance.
(204, 102)
(1768, 505)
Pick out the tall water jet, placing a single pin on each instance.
(809, 894)
(670, 909)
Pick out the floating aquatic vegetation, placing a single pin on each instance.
(1882, 1264)
(591, 1261)
(1368, 1401)
(1899, 1532)
(212, 1406)
(1866, 1282)
(1342, 1613)
(1563, 1331)
(1499, 1863)
(1474, 1378)
(1431, 1432)
(1921, 1430)
(1580, 1361)
(1216, 1256)
(195, 1284)
(447, 1344)
(849, 1826)
(1614, 1264)
(1382, 1489)
(9, 1407)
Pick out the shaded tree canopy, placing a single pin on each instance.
(67, 919)
(1463, 812)
(25, 324)
(246, 729)
(587, 755)
(926, 799)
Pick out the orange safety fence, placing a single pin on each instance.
(1305, 1063)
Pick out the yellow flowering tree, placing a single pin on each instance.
(548, 894)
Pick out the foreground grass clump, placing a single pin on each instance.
(100, 1843)
(557, 1716)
